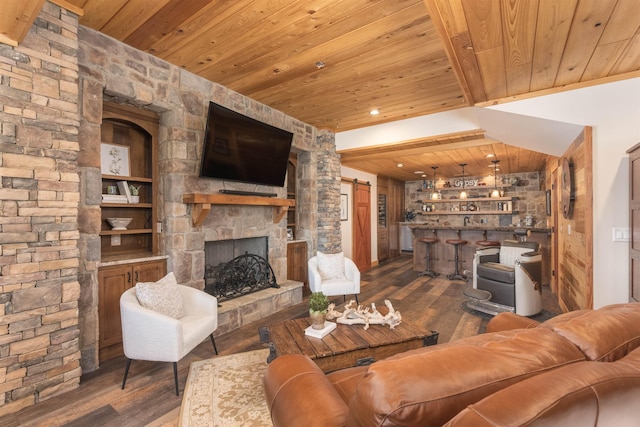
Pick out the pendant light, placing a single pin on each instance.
(463, 193)
(495, 192)
(434, 195)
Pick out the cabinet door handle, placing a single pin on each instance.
(128, 277)
(137, 277)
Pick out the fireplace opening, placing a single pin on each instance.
(237, 267)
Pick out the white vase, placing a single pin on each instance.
(135, 199)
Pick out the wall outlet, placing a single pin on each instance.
(158, 227)
(115, 240)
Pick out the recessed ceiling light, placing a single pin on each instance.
(374, 112)
(419, 172)
(319, 65)
(490, 155)
(400, 165)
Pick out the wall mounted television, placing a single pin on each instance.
(239, 148)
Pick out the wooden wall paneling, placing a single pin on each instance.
(552, 180)
(396, 216)
(575, 234)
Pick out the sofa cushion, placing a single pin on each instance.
(581, 394)
(506, 320)
(606, 334)
(429, 386)
(162, 296)
(496, 271)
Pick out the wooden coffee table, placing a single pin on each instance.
(347, 345)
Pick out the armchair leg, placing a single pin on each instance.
(213, 341)
(175, 376)
(126, 372)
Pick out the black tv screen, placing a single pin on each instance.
(239, 148)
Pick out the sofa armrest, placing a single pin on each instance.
(506, 321)
(298, 393)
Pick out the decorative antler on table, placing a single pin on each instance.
(358, 315)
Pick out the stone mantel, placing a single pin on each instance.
(202, 204)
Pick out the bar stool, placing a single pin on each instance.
(456, 244)
(487, 243)
(428, 241)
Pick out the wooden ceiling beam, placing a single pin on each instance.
(448, 20)
(416, 151)
(16, 18)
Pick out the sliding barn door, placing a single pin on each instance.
(362, 225)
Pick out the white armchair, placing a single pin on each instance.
(150, 335)
(349, 285)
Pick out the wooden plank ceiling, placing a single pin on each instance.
(329, 62)
(447, 153)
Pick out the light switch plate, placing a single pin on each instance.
(621, 234)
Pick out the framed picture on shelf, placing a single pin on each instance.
(289, 233)
(114, 159)
(344, 207)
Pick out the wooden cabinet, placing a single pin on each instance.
(297, 264)
(634, 219)
(128, 158)
(113, 281)
(133, 134)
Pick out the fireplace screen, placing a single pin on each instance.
(242, 275)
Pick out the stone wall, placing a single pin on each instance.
(39, 193)
(329, 231)
(114, 71)
(52, 88)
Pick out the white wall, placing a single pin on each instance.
(613, 110)
(347, 226)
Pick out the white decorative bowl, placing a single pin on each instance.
(119, 223)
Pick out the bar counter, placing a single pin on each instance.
(442, 254)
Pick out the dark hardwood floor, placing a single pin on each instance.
(149, 398)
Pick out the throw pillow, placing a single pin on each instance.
(162, 296)
(331, 266)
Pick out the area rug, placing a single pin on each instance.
(226, 391)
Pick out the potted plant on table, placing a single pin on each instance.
(318, 306)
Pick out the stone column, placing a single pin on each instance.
(328, 173)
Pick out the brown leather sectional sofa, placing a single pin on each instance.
(579, 368)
